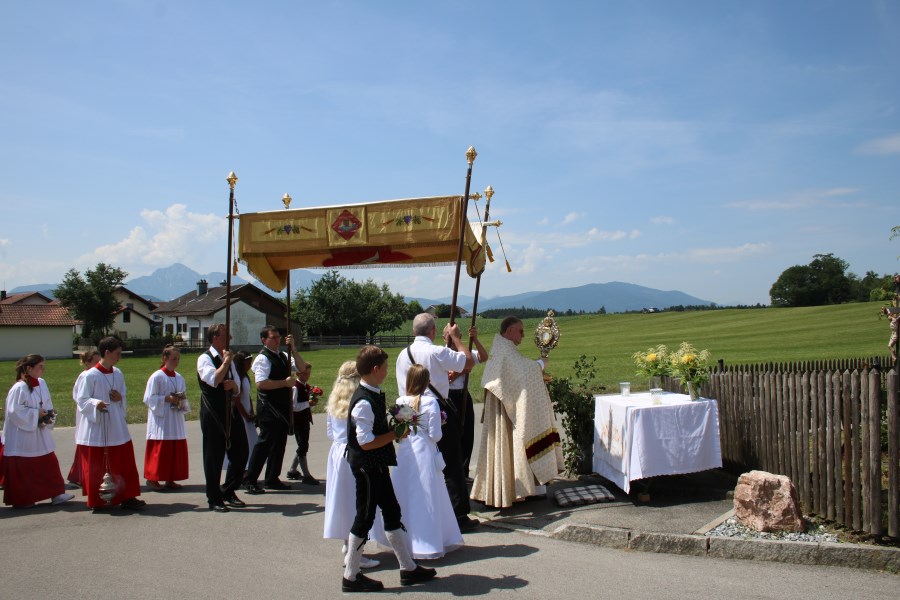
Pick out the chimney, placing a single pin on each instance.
(202, 287)
(2, 294)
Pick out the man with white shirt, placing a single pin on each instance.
(273, 373)
(440, 362)
(102, 433)
(220, 421)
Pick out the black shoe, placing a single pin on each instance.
(233, 500)
(219, 507)
(293, 475)
(253, 489)
(277, 485)
(417, 575)
(310, 480)
(133, 504)
(467, 524)
(362, 584)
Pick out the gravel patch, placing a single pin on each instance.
(732, 529)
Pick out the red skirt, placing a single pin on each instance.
(30, 479)
(75, 471)
(166, 460)
(121, 466)
(1, 464)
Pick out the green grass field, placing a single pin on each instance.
(736, 336)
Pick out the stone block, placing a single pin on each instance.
(692, 545)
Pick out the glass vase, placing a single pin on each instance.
(693, 390)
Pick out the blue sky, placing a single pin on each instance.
(703, 146)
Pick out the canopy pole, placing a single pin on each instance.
(470, 158)
(232, 180)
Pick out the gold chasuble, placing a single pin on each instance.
(416, 231)
(520, 445)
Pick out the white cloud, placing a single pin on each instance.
(173, 235)
(801, 200)
(572, 217)
(544, 221)
(4, 242)
(662, 220)
(886, 145)
(623, 263)
(608, 236)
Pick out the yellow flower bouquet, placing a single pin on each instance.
(691, 366)
(654, 362)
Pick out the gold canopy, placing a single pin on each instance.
(415, 231)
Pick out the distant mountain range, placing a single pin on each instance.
(614, 296)
(170, 282)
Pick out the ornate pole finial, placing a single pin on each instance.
(287, 200)
(470, 155)
(488, 192)
(231, 179)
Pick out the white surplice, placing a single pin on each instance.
(340, 486)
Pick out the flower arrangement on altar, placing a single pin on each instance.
(691, 366)
(654, 362)
(402, 418)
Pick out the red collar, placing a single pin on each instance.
(167, 372)
(102, 369)
(32, 382)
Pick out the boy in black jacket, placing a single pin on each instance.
(370, 452)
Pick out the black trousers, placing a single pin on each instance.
(450, 446)
(214, 451)
(269, 448)
(302, 422)
(374, 489)
(462, 400)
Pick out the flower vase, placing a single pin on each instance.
(693, 390)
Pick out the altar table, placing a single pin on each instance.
(635, 439)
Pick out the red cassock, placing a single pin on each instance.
(121, 467)
(30, 479)
(166, 460)
(75, 471)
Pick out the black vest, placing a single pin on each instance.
(213, 397)
(379, 457)
(280, 399)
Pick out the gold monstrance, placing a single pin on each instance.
(546, 336)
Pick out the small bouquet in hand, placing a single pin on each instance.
(443, 418)
(402, 418)
(315, 393)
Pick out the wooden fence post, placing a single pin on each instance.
(893, 455)
(876, 527)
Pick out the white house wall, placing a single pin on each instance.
(49, 342)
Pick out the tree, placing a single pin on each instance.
(823, 281)
(335, 305)
(90, 298)
(413, 308)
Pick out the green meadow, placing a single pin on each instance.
(735, 336)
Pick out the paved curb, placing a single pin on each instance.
(845, 555)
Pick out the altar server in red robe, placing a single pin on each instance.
(30, 467)
(166, 454)
(89, 358)
(103, 433)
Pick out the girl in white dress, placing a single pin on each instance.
(340, 488)
(418, 478)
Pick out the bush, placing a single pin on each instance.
(574, 400)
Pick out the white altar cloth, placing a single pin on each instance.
(635, 439)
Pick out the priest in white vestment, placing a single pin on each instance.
(520, 447)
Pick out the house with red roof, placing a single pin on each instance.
(30, 323)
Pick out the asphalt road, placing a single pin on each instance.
(176, 548)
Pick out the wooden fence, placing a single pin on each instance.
(821, 425)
